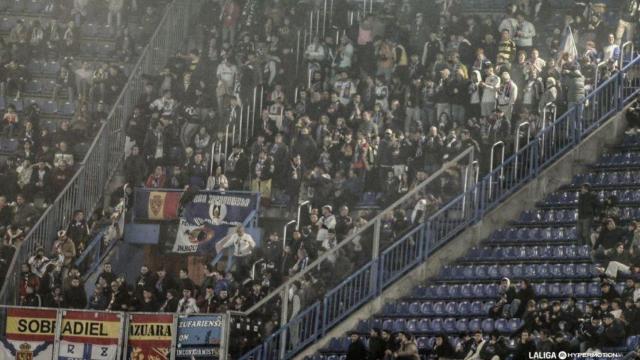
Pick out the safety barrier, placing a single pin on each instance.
(46, 334)
(86, 188)
(470, 205)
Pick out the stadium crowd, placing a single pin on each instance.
(55, 94)
(403, 91)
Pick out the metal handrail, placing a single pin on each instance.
(469, 152)
(597, 76)
(284, 232)
(308, 205)
(517, 142)
(622, 48)
(102, 158)
(493, 148)
(436, 234)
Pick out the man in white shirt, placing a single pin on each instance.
(507, 95)
(611, 52)
(227, 72)
(187, 305)
(243, 245)
(490, 87)
(525, 32)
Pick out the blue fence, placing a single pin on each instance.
(469, 207)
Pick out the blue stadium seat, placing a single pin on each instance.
(474, 325)
(476, 308)
(593, 290)
(449, 325)
(451, 308)
(403, 308)
(363, 327)
(466, 290)
(48, 107)
(500, 325)
(454, 291)
(67, 109)
(424, 325)
(580, 290)
(487, 326)
(426, 308)
(514, 325)
(464, 308)
(554, 290)
(438, 308)
(436, 326)
(491, 290)
(389, 308)
(411, 326)
(414, 308)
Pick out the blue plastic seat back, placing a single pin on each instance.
(487, 325)
(426, 308)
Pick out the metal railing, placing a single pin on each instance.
(464, 210)
(86, 188)
(372, 243)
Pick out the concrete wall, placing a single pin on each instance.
(560, 173)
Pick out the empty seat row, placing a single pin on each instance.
(608, 178)
(534, 234)
(548, 216)
(491, 291)
(571, 198)
(529, 271)
(619, 159)
(448, 325)
(518, 253)
(438, 308)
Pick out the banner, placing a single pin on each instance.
(90, 335)
(150, 336)
(209, 217)
(200, 336)
(27, 334)
(156, 205)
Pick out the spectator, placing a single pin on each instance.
(356, 350)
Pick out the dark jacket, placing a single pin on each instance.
(587, 205)
(357, 351)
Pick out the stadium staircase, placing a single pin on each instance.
(540, 246)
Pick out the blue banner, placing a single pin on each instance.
(209, 218)
(200, 336)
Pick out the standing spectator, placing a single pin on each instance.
(507, 95)
(356, 350)
(243, 245)
(490, 87)
(229, 15)
(628, 21)
(588, 207)
(115, 8)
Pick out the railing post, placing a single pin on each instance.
(284, 319)
(620, 90)
(376, 268)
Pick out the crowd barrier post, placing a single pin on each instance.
(306, 203)
(493, 148)
(284, 232)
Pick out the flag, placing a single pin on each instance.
(157, 205)
(567, 46)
